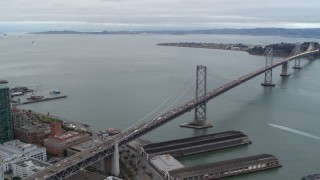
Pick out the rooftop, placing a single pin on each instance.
(202, 168)
(18, 144)
(165, 162)
(15, 148)
(33, 164)
(86, 145)
(3, 87)
(67, 137)
(38, 127)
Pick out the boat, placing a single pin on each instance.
(3, 81)
(22, 89)
(113, 131)
(35, 98)
(54, 92)
(17, 94)
(311, 177)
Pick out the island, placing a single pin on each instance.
(279, 50)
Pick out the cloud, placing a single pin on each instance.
(166, 13)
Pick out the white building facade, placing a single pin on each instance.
(27, 167)
(1, 175)
(15, 151)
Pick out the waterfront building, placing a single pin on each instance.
(232, 167)
(6, 128)
(28, 128)
(33, 134)
(165, 163)
(15, 151)
(21, 117)
(57, 143)
(17, 118)
(27, 167)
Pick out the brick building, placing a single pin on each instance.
(58, 142)
(32, 134)
(28, 128)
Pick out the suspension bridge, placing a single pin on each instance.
(109, 148)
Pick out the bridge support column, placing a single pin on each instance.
(200, 116)
(110, 164)
(296, 64)
(268, 73)
(115, 160)
(311, 56)
(297, 50)
(284, 72)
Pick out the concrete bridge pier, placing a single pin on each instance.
(110, 164)
(284, 72)
(311, 56)
(296, 64)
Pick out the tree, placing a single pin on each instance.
(130, 162)
(135, 169)
(132, 156)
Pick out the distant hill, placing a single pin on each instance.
(306, 33)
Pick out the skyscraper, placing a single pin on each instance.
(6, 129)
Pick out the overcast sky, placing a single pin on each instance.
(158, 14)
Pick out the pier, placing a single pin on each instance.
(39, 100)
(3, 81)
(225, 168)
(195, 145)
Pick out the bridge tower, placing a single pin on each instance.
(296, 51)
(269, 61)
(311, 48)
(200, 116)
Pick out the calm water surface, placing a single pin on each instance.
(114, 81)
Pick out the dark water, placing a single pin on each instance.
(113, 81)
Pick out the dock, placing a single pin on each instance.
(311, 177)
(195, 145)
(39, 100)
(226, 168)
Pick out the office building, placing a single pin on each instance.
(6, 128)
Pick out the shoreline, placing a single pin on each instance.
(279, 50)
